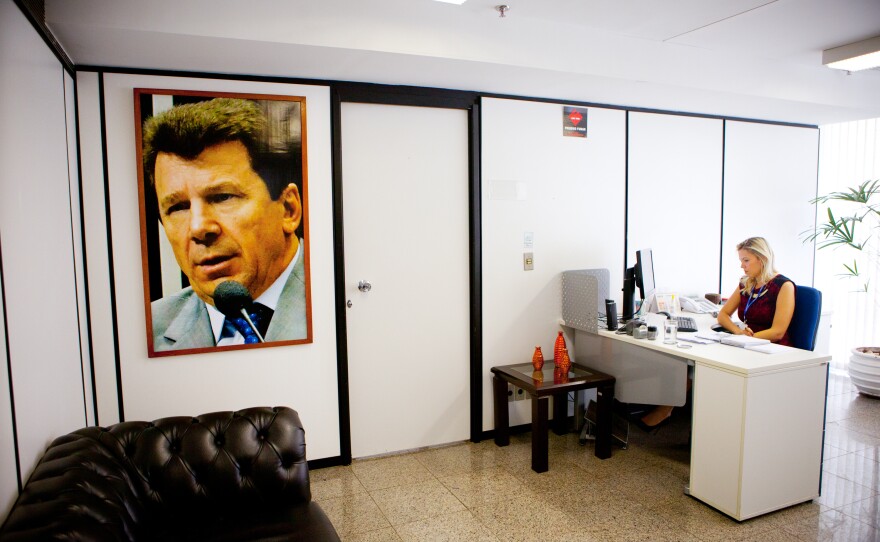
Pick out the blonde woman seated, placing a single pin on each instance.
(764, 302)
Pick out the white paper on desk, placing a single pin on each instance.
(713, 336)
(743, 341)
(769, 348)
(697, 340)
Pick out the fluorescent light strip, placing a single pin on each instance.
(457, 2)
(857, 56)
(864, 62)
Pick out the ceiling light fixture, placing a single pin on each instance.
(861, 55)
(456, 2)
(502, 9)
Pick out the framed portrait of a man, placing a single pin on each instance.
(224, 220)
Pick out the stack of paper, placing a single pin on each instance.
(713, 336)
(769, 348)
(743, 341)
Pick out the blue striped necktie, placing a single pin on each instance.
(260, 316)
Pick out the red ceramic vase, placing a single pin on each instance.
(538, 359)
(564, 364)
(558, 348)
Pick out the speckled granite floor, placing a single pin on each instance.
(476, 492)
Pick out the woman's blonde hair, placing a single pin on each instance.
(761, 249)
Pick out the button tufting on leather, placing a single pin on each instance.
(157, 478)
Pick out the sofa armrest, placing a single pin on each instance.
(78, 491)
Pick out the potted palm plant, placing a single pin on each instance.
(852, 223)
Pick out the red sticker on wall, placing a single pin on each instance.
(574, 121)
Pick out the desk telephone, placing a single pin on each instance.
(695, 304)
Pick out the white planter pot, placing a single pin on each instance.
(864, 370)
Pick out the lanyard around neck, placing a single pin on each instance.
(752, 298)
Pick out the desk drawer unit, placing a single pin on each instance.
(757, 440)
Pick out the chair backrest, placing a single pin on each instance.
(805, 321)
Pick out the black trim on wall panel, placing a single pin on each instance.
(110, 267)
(405, 95)
(205, 75)
(626, 193)
(421, 97)
(412, 95)
(643, 110)
(9, 371)
(476, 273)
(721, 228)
(339, 281)
(82, 233)
(326, 462)
(35, 12)
(824, 422)
(76, 292)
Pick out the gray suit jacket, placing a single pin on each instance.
(181, 321)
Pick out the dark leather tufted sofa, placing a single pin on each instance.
(220, 476)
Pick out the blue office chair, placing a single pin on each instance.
(805, 321)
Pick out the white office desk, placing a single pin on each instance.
(758, 419)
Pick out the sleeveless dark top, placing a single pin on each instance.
(763, 308)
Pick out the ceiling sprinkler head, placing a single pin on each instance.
(502, 9)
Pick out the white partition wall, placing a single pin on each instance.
(564, 196)
(300, 376)
(674, 198)
(39, 227)
(770, 176)
(97, 246)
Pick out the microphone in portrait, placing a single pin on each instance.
(232, 299)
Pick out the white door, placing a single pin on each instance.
(405, 208)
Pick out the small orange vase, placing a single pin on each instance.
(538, 377)
(538, 359)
(558, 348)
(564, 364)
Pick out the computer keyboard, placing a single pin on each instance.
(686, 323)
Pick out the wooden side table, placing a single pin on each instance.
(541, 385)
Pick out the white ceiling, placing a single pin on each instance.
(741, 58)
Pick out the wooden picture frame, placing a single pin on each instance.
(223, 194)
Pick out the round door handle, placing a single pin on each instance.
(365, 286)
(348, 303)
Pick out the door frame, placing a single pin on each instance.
(419, 97)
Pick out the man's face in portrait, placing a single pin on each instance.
(221, 221)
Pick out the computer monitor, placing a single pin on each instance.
(645, 273)
(640, 276)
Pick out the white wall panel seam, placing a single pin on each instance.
(74, 217)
